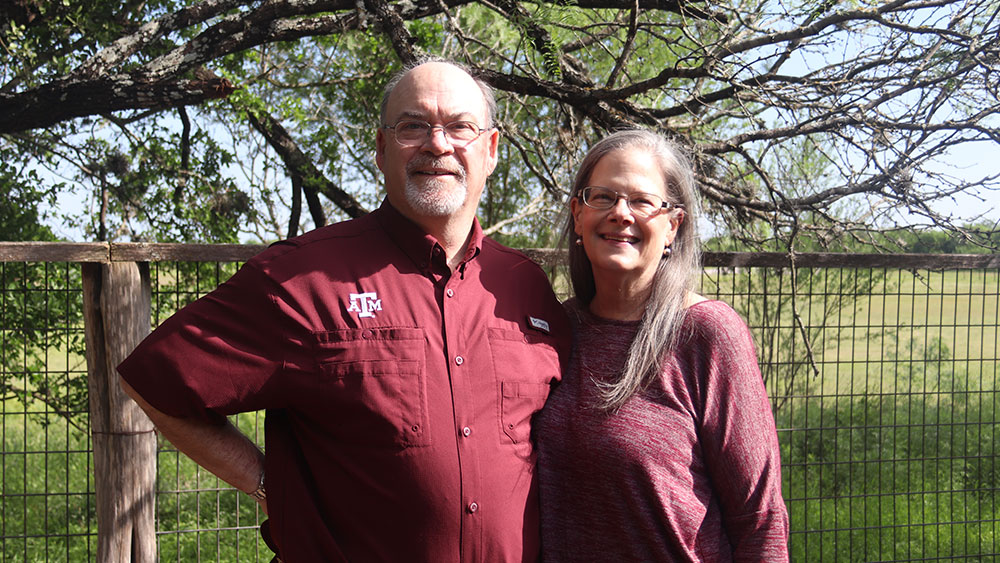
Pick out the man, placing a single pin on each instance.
(400, 357)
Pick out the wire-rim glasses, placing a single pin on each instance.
(414, 132)
(641, 203)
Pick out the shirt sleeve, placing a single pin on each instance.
(217, 356)
(739, 439)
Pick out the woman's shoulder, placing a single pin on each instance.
(703, 307)
(714, 320)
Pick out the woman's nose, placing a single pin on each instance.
(620, 211)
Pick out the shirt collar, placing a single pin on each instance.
(417, 244)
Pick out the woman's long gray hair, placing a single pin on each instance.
(675, 275)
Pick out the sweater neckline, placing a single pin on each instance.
(585, 315)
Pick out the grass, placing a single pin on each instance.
(889, 432)
(892, 479)
(48, 513)
(859, 319)
(202, 518)
(47, 510)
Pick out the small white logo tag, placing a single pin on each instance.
(365, 304)
(540, 324)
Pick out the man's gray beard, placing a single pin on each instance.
(436, 198)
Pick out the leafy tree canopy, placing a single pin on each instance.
(225, 120)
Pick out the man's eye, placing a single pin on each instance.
(411, 126)
(462, 129)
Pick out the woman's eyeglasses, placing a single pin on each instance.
(641, 203)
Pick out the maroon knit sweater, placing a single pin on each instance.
(687, 471)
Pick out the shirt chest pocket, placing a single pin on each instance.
(524, 365)
(373, 385)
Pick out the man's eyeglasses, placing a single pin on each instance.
(641, 203)
(413, 132)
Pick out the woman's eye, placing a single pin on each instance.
(600, 196)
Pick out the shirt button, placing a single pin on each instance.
(450, 292)
(459, 360)
(466, 431)
(473, 507)
(367, 333)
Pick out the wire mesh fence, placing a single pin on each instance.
(883, 382)
(46, 505)
(884, 388)
(199, 517)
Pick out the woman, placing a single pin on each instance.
(659, 445)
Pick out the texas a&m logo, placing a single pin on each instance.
(365, 304)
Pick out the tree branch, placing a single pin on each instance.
(299, 165)
(57, 102)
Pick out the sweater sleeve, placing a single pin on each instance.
(738, 436)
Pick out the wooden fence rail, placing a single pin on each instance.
(103, 252)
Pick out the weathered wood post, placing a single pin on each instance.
(117, 316)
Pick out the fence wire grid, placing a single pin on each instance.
(883, 383)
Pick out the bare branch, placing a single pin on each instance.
(300, 166)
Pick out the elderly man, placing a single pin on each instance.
(400, 357)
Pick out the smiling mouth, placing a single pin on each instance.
(427, 166)
(620, 238)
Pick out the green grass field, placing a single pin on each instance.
(889, 431)
(47, 507)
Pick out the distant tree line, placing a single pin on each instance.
(975, 238)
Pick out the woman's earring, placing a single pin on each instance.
(666, 251)
(578, 241)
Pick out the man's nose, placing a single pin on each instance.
(437, 142)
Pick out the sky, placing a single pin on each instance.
(972, 163)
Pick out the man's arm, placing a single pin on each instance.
(221, 449)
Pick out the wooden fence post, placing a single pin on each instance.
(117, 316)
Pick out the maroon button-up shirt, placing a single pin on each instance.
(399, 395)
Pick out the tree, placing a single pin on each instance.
(216, 119)
(39, 310)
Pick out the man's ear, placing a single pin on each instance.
(493, 142)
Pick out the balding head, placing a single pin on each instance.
(489, 99)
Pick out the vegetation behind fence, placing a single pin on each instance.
(882, 371)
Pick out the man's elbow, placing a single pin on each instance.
(129, 390)
(149, 409)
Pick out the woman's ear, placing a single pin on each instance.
(677, 219)
(575, 208)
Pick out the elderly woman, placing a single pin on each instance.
(659, 445)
